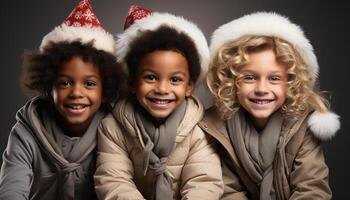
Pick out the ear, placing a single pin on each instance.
(189, 88)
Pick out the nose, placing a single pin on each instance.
(261, 88)
(162, 87)
(76, 91)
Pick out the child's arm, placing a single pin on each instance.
(201, 177)
(114, 172)
(16, 171)
(309, 176)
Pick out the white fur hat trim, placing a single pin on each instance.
(102, 40)
(267, 24)
(324, 125)
(154, 21)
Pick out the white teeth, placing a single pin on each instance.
(157, 101)
(262, 101)
(77, 107)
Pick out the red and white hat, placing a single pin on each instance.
(83, 25)
(140, 19)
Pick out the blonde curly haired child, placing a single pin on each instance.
(269, 116)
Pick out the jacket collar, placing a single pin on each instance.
(215, 126)
(124, 113)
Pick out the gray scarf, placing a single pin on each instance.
(69, 165)
(159, 141)
(256, 151)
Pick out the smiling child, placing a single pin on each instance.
(51, 150)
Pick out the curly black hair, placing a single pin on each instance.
(39, 68)
(163, 38)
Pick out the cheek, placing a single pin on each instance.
(281, 91)
(142, 89)
(243, 90)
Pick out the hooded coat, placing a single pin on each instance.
(34, 166)
(193, 163)
(299, 167)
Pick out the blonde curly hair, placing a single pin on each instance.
(223, 75)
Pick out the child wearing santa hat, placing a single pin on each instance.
(51, 149)
(269, 119)
(150, 146)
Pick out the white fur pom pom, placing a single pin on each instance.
(324, 125)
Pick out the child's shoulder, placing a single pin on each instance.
(212, 118)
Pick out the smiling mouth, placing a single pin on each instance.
(76, 106)
(261, 101)
(160, 101)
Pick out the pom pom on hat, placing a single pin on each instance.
(324, 125)
(83, 25)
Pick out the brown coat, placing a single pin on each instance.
(299, 167)
(193, 163)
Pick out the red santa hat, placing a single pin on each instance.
(83, 25)
(140, 19)
(323, 125)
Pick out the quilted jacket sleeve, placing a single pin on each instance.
(201, 175)
(114, 173)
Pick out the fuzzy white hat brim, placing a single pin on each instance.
(266, 24)
(102, 40)
(154, 21)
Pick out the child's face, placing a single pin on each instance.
(162, 83)
(262, 88)
(77, 92)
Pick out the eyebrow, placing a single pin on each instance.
(87, 76)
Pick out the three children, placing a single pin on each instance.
(268, 121)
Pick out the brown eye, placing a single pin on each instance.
(90, 84)
(150, 77)
(175, 80)
(64, 83)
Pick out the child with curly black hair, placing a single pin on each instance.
(150, 146)
(51, 149)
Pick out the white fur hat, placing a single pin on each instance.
(323, 125)
(83, 25)
(267, 24)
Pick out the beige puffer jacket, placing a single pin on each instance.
(193, 164)
(300, 171)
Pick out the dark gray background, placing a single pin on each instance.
(24, 23)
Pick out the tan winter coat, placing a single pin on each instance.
(193, 164)
(299, 168)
